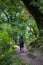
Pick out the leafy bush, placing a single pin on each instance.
(12, 31)
(5, 41)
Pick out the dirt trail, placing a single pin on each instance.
(34, 58)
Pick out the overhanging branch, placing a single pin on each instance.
(35, 12)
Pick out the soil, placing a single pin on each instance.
(32, 57)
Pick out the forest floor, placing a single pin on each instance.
(33, 57)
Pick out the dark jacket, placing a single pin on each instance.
(21, 41)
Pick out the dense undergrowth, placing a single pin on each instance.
(8, 54)
(14, 20)
(11, 58)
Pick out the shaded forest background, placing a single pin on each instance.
(18, 17)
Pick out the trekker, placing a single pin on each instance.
(21, 42)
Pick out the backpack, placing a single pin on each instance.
(21, 40)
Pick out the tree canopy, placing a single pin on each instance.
(19, 17)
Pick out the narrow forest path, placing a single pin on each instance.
(34, 58)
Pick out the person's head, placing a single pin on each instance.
(21, 34)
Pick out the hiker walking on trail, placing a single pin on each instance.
(21, 42)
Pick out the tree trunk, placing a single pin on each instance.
(38, 16)
(34, 10)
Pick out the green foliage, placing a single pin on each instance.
(14, 19)
(5, 42)
(31, 32)
(18, 19)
